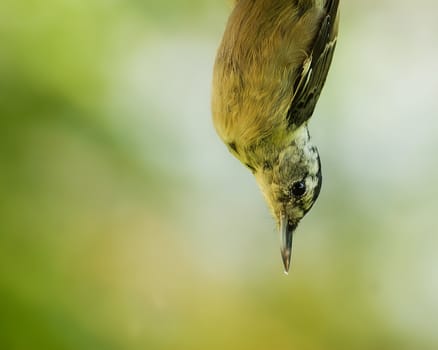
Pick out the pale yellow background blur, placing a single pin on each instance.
(126, 224)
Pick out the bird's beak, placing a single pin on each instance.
(286, 234)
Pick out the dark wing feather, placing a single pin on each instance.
(314, 71)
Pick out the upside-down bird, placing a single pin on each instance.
(269, 71)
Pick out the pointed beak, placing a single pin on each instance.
(286, 235)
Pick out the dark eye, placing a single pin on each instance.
(298, 189)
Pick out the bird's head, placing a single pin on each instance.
(291, 181)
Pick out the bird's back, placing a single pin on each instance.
(258, 65)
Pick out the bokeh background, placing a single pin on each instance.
(125, 223)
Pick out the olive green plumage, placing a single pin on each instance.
(269, 72)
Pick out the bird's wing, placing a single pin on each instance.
(310, 81)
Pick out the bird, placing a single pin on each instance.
(270, 68)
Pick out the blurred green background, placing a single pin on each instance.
(125, 223)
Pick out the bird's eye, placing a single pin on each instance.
(298, 189)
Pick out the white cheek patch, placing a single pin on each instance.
(314, 166)
(311, 156)
(311, 183)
